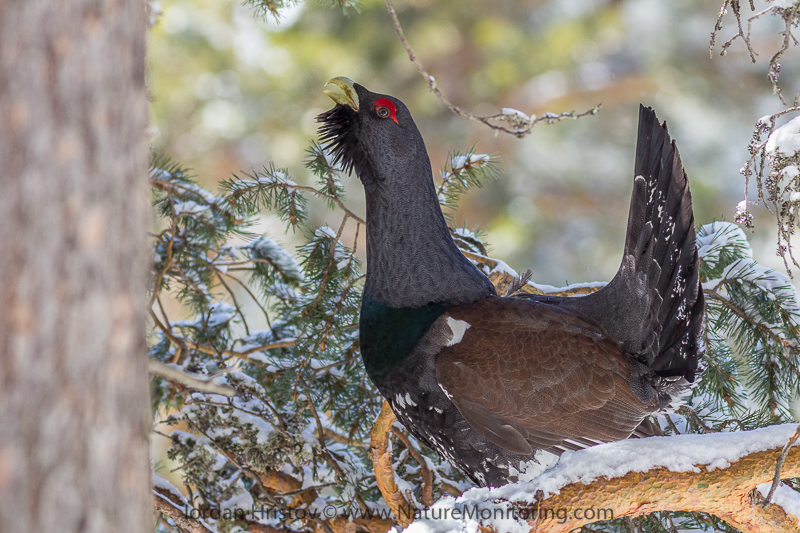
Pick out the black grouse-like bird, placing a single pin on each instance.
(488, 380)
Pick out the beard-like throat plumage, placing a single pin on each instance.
(339, 137)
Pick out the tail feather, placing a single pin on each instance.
(679, 314)
(654, 305)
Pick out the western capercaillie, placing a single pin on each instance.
(489, 381)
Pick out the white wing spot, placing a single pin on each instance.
(458, 327)
(409, 401)
(400, 401)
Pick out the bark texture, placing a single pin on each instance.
(73, 386)
(382, 464)
(727, 493)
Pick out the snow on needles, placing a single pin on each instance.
(679, 453)
(776, 285)
(460, 162)
(220, 314)
(711, 240)
(266, 248)
(713, 237)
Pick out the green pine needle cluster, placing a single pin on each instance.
(751, 334)
(265, 9)
(462, 173)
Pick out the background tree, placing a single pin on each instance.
(285, 417)
(73, 419)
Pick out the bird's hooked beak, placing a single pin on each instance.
(342, 91)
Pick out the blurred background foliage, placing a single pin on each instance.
(232, 91)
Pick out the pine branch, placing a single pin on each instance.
(182, 341)
(725, 492)
(186, 524)
(382, 462)
(169, 373)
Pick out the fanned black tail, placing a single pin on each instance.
(654, 305)
(668, 208)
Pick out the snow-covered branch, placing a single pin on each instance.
(716, 473)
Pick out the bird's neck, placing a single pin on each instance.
(412, 260)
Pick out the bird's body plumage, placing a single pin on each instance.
(488, 381)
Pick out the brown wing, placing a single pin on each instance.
(527, 374)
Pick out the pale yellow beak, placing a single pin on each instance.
(342, 91)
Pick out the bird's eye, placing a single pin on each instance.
(385, 108)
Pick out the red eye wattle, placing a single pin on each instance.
(385, 108)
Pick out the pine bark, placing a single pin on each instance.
(728, 493)
(73, 197)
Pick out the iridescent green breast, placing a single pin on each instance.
(389, 334)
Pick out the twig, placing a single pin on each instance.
(774, 66)
(176, 376)
(301, 489)
(191, 283)
(789, 16)
(425, 472)
(688, 411)
(341, 439)
(171, 186)
(186, 342)
(337, 363)
(334, 199)
(672, 424)
(326, 454)
(776, 480)
(718, 26)
(268, 489)
(235, 302)
(324, 283)
(179, 342)
(763, 328)
(168, 260)
(513, 122)
(181, 348)
(756, 166)
(250, 293)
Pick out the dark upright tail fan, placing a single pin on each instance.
(654, 305)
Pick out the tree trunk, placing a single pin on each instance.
(73, 387)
